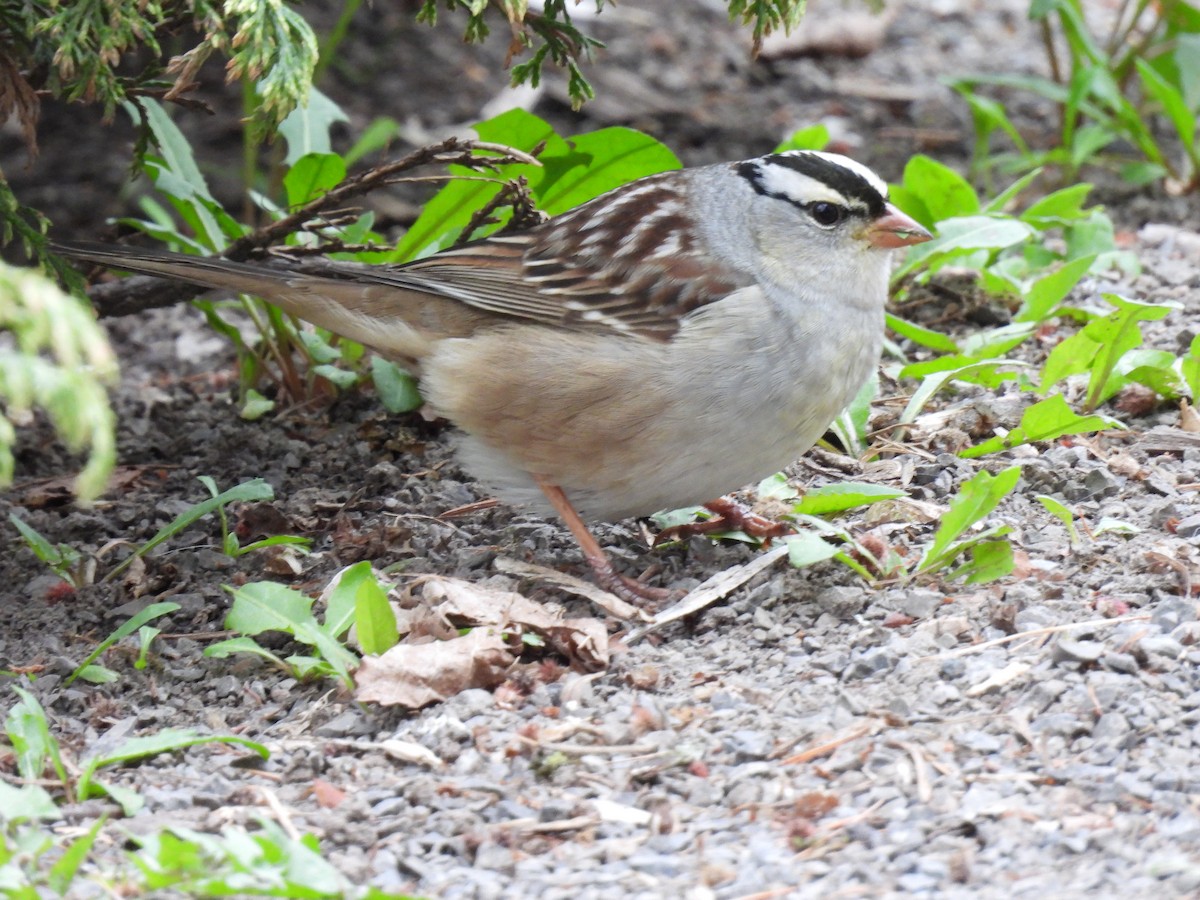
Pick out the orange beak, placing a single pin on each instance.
(894, 229)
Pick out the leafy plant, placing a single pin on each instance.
(1144, 74)
(354, 598)
(60, 363)
(78, 570)
(27, 727)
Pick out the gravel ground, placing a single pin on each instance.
(811, 736)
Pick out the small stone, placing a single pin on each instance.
(1170, 614)
(868, 663)
(1033, 617)
(1112, 726)
(748, 746)
(921, 603)
(1188, 528)
(351, 723)
(1077, 651)
(1161, 646)
(1120, 662)
(844, 601)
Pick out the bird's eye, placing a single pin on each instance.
(826, 214)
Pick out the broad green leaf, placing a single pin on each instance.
(225, 649)
(397, 388)
(974, 501)
(1045, 420)
(814, 137)
(451, 209)
(1048, 291)
(1172, 102)
(961, 235)
(306, 128)
(808, 548)
(942, 191)
(598, 162)
(373, 617)
(312, 176)
(989, 560)
(377, 135)
(265, 606)
(1064, 205)
(919, 334)
(25, 804)
(28, 730)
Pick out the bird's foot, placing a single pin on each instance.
(729, 515)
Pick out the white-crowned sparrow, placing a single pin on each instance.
(670, 341)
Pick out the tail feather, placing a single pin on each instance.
(375, 315)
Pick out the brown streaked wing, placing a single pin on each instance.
(637, 271)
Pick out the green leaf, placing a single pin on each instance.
(989, 560)
(373, 616)
(919, 334)
(306, 128)
(255, 406)
(265, 606)
(25, 804)
(1045, 420)
(961, 235)
(63, 872)
(149, 614)
(311, 176)
(942, 191)
(1064, 515)
(451, 209)
(377, 135)
(1048, 291)
(225, 649)
(835, 498)
(167, 741)
(1061, 206)
(247, 492)
(808, 548)
(974, 501)
(596, 163)
(1172, 102)
(814, 137)
(28, 730)
(397, 389)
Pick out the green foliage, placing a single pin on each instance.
(975, 501)
(477, 200)
(73, 567)
(1139, 82)
(1099, 347)
(1045, 420)
(59, 363)
(354, 598)
(266, 606)
(1013, 258)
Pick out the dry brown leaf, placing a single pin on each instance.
(903, 509)
(415, 675)
(1189, 419)
(326, 795)
(583, 641)
(18, 97)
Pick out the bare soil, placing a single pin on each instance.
(809, 736)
